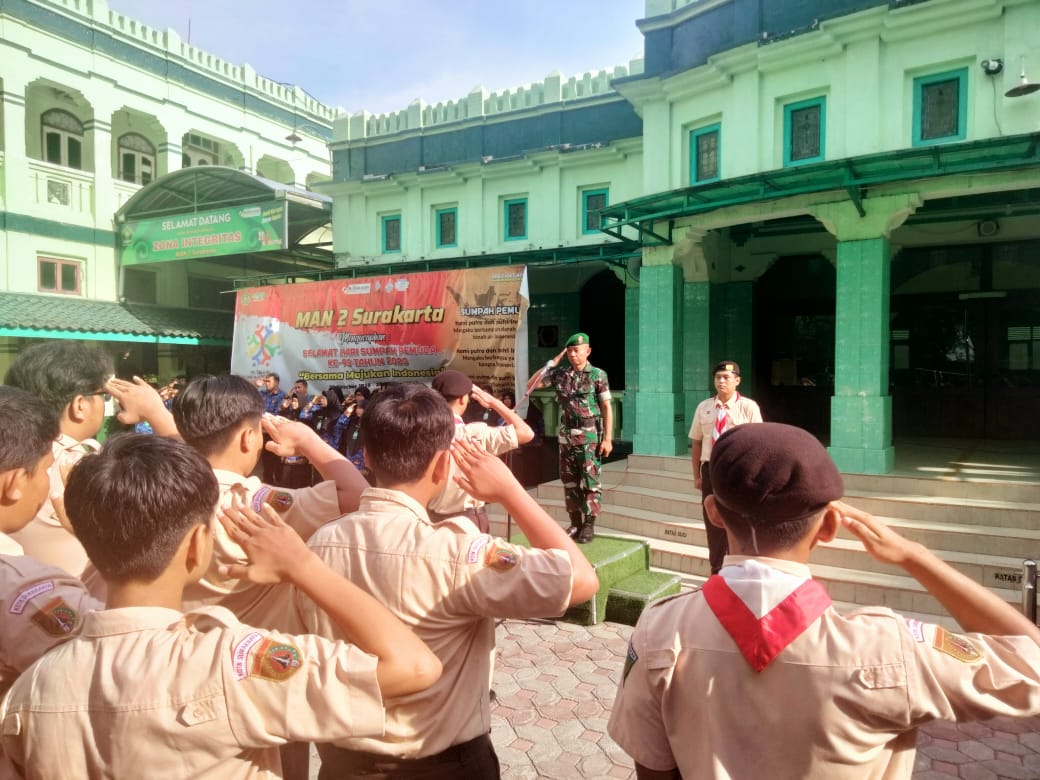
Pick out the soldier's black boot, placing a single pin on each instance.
(575, 528)
(588, 531)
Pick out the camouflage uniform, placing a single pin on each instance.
(578, 394)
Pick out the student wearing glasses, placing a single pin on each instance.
(70, 378)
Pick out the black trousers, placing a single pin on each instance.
(473, 760)
(718, 545)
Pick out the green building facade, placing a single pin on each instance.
(841, 195)
(838, 195)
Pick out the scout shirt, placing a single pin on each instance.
(154, 692)
(304, 510)
(45, 538)
(497, 441)
(448, 584)
(40, 606)
(739, 410)
(578, 393)
(840, 698)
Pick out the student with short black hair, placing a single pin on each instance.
(223, 418)
(70, 378)
(40, 605)
(151, 691)
(443, 579)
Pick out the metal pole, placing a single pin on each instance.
(509, 517)
(1029, 589)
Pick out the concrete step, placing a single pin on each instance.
(995, 562)
(675, 495)
(629, 597)
(935, 483)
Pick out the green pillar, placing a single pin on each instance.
(628, 406)
(861, 409)
(659, 399)
(697, 360)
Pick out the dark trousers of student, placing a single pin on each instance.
(718, 546)
(473, 760)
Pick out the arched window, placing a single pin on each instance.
(199, 150)
(62, 138)
(136, 159)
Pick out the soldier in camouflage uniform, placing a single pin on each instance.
(585, 432)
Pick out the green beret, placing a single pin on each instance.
(577, 339)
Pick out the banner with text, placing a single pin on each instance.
(397, 328)
(258, 227)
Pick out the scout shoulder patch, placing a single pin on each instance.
(277, 661)
(57, 618)
(630, 658)
(240, 654)
(476, 547)
(280, 500)
(500, 555)
(956, 646)
(916, 628)
(27, 595)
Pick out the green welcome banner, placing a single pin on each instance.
(258, 227)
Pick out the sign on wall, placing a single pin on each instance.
(258, 227)
(394, 328)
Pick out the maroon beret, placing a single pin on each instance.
(452, 383)
(772, 472)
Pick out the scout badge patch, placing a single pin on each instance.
(630, 658)
(280, 500)
(277, 661)
(57, 618)
(27, 595)
(955, 646)
(500, 556)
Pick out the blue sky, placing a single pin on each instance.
(379, 55)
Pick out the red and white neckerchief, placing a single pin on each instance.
(722, 416)
(762, 640)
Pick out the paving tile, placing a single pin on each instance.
(1005, 745)
(944, 755)
(977, 772)
(1009, 771)
(977, 751)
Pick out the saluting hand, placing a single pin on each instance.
(483, 475)
(880, 541)
(276, 552)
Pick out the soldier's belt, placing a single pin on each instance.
(576, 431)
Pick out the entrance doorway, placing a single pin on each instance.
(965, 341)
(966, 365)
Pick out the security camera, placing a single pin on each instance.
(992, 67)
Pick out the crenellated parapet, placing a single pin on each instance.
(169, 44)
(480, 103)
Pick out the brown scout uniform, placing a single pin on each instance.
(448, 584)
(45, 538)
(153, 692)
(498, 441)
(40, 606)
(305, 510)
(842, 700)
